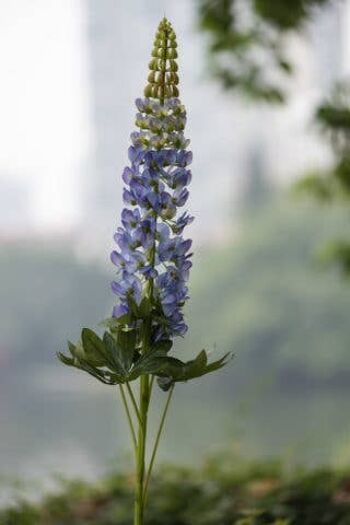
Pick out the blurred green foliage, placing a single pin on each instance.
(46, 293)
(332, 185)
(258, 295)
(265, 298)
(222, 492)
(246, 42)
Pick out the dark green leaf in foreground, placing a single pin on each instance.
(178, 371)
(94, 349)
(122, 355)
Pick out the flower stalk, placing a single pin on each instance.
(141, 451)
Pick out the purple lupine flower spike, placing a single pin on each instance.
(152, 256)
(150, 242)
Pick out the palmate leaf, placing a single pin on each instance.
(94, 349)
(116, 358)
(121, 351)
(153, 363)
(178, 371)
(109, 359)
(105, 376)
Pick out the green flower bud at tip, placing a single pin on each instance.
(162, 79)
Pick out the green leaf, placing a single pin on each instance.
(65, 360)
(147, 364)
(94, 349)
(120, 358)
(91, 356)
(155, 362)
(103, 376)
(173, 370)
(198, 364)
(220, 363)
(115, 354)
(76, 350)
(126, 342)
(163, 346)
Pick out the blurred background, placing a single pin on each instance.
(255, 78)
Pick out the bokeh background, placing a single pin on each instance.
(69, 74)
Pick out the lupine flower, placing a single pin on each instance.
(150, 242)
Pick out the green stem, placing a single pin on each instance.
(141, 451)
(133, 400)
(151, 386)
(142, 435)
(128, 415)
(156, 444)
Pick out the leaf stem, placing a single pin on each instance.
(156, 444)
(128, 415)
(151, 386)
(133, 400)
